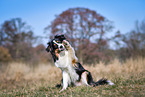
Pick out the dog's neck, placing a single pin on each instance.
(62, 54)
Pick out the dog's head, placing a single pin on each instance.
(56, 44)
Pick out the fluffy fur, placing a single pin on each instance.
(73, 72)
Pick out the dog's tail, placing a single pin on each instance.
(102, 82)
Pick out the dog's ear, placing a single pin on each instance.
(57, 35)
(48, 47)
(60, 36)
(63, 37)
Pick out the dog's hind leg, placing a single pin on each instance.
(86, 78)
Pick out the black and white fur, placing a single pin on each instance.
(73, 72)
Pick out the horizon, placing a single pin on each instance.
(39, 14)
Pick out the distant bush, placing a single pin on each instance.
(4, 55)
(41, 55)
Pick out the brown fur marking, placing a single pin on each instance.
(73, 61)
(56, 53)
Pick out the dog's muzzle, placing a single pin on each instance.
(60, 46)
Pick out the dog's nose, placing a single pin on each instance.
(61, 46)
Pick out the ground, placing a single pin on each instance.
(129, 81)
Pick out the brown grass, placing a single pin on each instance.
(19, 75)
(17, 71)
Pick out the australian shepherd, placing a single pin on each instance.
(73, 72)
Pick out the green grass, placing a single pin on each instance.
(126, 85)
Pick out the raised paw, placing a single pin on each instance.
(66, 44)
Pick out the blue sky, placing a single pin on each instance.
(40, 13)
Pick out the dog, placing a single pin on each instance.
(73, 72)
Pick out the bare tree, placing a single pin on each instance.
(17, 37)
(80, 24)
(134, 42)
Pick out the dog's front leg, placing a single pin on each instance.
(71, 51)
(66, 80)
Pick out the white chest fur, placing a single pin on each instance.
(62, 62)
(65, 64)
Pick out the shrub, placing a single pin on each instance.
(4, 55)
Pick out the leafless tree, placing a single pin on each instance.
(79, 25)
(18, 38)
(134, 42)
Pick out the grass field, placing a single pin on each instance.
(19, 79)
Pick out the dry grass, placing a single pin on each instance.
(18, 79)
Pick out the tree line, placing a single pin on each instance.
(16, 43)
(87, 31)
